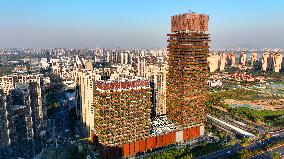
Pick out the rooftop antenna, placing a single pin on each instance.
(190, 11)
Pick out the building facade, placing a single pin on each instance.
(122, 111)
(31, 88)
(188, 71)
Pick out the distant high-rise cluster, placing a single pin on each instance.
(217, 61)
(272, 61)
(268, 61)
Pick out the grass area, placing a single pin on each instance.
(206, 149)
(187, 153)
(237, 94)
(260, 116)
(278, 82)
(216, 107)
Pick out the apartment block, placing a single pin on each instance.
(122, 111)
(36, 89)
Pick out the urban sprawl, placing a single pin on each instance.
(183, 101)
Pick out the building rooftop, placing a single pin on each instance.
(189, 21)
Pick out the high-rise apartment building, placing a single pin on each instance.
(157, 76)
(187, 74)
(21, 122)
(35, 86)
(122, 111)
(243, 58)
(232, 59)
(8, 83)
(85, 97)
(265, 61)
(223, 61)
(277, 61)
(253, 57)
(4, 138)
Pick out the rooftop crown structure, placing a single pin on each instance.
(187, 75)
(189, 22)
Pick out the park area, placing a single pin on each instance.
(262, 104)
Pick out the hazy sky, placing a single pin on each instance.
(136, 23)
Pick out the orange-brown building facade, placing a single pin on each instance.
(188, 71)
(132, 149)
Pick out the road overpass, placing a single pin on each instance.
(229, 126)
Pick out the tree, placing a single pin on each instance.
(75, 154)
(245, 141)
(244, 154)
(276, 155)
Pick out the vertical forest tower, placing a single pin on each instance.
(188, 71)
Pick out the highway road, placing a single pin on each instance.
(263, 143)
(269, 153)
(225, 153)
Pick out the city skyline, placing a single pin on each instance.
(127, 24)
(86, 97)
